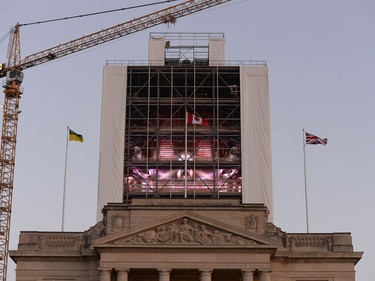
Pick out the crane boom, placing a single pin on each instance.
(168, 15)
(12, 93)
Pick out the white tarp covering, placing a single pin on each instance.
(256, 137)
(156, 51)
(112, 129)
(216, 51)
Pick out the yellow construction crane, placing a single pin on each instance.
(12, 92)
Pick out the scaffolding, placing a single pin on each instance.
(187, 48)
(165, 156)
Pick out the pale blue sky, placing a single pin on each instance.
(321, 58)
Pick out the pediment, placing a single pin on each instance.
(184, 229)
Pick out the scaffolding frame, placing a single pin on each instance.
(155, 162)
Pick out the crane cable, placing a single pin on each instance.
(2, 38)
(97, 13)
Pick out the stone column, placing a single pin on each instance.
(105, 274)
(265, 275)
(122, 275)
(205, 274)
(164, 274)
(247, 275)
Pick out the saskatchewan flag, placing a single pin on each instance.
(73, 136)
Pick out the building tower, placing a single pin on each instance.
(185, 182)
(193, 124)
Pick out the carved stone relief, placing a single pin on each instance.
(118, 223)
(252, 223)
(186, 231)
(320, 241)
(96, 231)
(275, 233)
(51, 241)
(93, 233)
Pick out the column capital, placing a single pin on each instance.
(105, 274)
(206, 270)
(122, 269)
(265, 275)
(164, 270)
(122, 274)
(164, 274)
(247, 274)
(245, 271)
(205, 274)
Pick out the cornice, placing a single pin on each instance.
(55, 258)
(196, 204)
(132, 249)
(315, 260)
(317, 257)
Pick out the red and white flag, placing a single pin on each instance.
(191, 119)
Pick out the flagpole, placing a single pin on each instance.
(186, 121)
(64, 190)
(304, 168)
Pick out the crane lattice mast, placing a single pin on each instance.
(8, 144)
(12, 92)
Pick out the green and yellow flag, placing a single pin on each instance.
(73, 136)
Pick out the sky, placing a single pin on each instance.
(320, 55)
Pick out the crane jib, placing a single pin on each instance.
(168, 15)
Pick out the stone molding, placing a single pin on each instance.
(273, 259)
(308, 259)
(132, 249)
(54, 258)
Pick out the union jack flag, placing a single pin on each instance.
(311, 139)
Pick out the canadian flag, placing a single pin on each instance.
(192, 119)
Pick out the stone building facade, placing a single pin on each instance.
(185, 239)
(185, 199)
